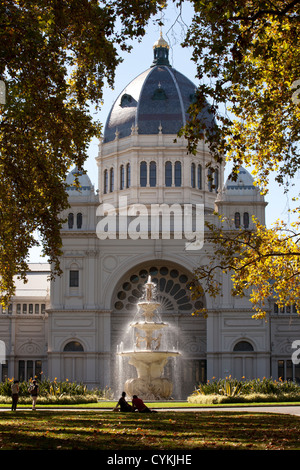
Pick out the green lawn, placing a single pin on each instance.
(172, 430)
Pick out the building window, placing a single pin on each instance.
(24, 309)
(152, 174)
(21, 371)
(111, 180)
(143, 174)
(128, 175)
(70, 220)
(243, 346)
(286, 370)
(79, 220)
(74, 278)
(199, 177)
(105, 182)
(213, 180)
(43, 308)
(73, 346)
(168, 174)
(4, 371)
(237, 220)
(30, 309)
(29, 370)
(18, 308)
(193, 175)
(177, 174)
(37, 309)
(209, 182)
(216, 180)
(246, 220)
(122, 177)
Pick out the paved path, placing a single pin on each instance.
(283, 409)
(288, 409)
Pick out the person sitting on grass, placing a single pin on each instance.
(123, 404)
(138, 404)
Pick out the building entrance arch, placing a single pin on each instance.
(186, 332)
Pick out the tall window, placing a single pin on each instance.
(105, 182)
(128, 175)
(122, 177)
(30, 369)
(79, 220)
(152, 174)
(143, 174)
(70, 220)
(193, 175)
(74, 278)
(216, 180)
(111, 180)
(246, 220)
(199, 177)
(177, 174)
(210, 181)
(237, 219)
(168, 174)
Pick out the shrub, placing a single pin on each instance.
(235, 390)
(56, 391)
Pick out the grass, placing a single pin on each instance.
(173, 430)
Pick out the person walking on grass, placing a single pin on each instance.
(33, 390)
(15, 395)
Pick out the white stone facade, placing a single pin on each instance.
(83, 315)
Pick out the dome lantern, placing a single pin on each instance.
(161, 52)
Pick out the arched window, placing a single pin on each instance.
(105, 182)
(210, 181)
(79, 220)
(243, 346)
(168, 174)
(70, 220)
(152, 174)
(246, 220)
(73, 346)
(199, 177)
(122, 176)
(237, 219)
(143, 174)
(216, 180)
(193, 175)
(177, 174)
(128, 175)
(111, 180)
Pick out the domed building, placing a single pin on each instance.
(135, 226)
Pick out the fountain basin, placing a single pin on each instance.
(149, 326)
(149, 366)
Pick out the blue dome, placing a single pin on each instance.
(156, 100)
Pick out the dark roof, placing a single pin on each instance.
(157, 99)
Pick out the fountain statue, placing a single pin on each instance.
(147, 356)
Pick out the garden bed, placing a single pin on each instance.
(231, 390)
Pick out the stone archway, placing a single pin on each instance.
(187, 333)
(73, 360)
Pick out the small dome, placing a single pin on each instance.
(243, 182)
(161, 42)
(85, 184)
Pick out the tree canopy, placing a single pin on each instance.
(56, 56)
(247, 54)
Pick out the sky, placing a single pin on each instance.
(139, 60)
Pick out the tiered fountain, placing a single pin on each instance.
(146, 356)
